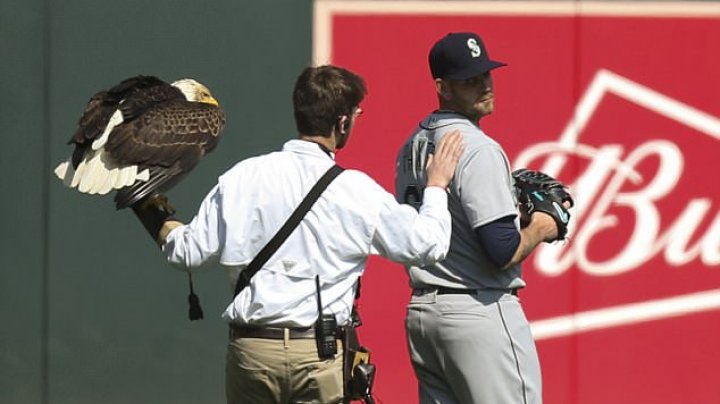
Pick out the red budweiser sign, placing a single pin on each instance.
(619, 100)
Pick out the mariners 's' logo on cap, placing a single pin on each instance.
(474, 47)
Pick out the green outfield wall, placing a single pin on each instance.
(89, 310)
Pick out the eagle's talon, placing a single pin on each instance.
(158, 202)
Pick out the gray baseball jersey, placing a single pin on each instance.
(481, 192)
(473, 347)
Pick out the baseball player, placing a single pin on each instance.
(468, 337)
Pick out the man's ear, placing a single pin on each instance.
(343, 125)
(442, 89)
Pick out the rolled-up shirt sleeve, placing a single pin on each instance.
(200, 241)
(414, 237)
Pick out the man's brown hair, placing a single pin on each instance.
(322, 95)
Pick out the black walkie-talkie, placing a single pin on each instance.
(325, 329)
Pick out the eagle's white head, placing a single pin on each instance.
(194, 91)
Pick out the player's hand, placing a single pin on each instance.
(442, 163)
(545, 224)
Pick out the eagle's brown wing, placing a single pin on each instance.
(144, 91)
(168, 139)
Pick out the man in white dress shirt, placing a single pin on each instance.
(272, 355)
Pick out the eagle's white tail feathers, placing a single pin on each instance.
(110, 180)
(107, 174)
(65, 172)
(144, 175)
(94, 172)
(78, 173)
(115, 120)
(99, 174)
(124, 175)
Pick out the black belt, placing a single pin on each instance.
(238, 331)
(454, 291)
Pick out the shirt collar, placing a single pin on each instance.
(307, 147)
(440, 118)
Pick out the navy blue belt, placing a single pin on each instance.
(455, 291)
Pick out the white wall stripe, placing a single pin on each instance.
(325, 9)
(606, 82)
(625, 315)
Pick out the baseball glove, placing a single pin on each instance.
(539, 192)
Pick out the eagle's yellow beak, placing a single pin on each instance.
(210, 100)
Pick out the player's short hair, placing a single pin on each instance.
(322, 95)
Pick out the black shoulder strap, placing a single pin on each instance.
(286, 229)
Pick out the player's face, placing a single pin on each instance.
(472, 97)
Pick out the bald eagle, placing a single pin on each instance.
(141, 137)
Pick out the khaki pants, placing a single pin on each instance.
(281, 371)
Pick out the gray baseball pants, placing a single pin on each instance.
(472, 349)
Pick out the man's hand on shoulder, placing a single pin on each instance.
(443, 162)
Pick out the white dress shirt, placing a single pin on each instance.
(353, 218)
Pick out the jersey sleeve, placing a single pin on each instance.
(484, 186)
(500, 239)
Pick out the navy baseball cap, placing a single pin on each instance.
(460, 56)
